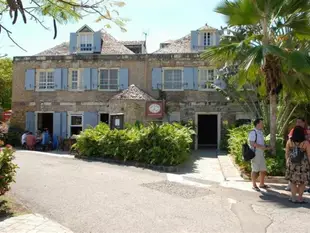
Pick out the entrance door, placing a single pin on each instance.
(104, 118)
(207, 130)
(117, 122)
(45, 120)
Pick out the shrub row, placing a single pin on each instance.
(165, 144)
(7, 168)
(238, 136)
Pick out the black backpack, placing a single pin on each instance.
(296, 155)
(247, 153)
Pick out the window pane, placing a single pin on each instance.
(76, 120)
(168, 75)
(74, 85)
(173, 79)
(74, 75)
(75, 130)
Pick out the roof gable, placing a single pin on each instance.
(133, 93)
(85, 28)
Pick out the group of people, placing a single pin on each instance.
(297, 156)
(40, 141)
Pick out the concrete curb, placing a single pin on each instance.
(168, 169)
(269, 179)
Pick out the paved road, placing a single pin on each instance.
(95, 197)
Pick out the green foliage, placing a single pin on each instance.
(7, 168)
(166, 144)
(238, 136)
(6, 69)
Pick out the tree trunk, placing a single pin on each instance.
(273, 122)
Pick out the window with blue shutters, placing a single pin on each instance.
(30, 121)
(123, 78)
(109, 79)
(30, 79)
(206, 78)
(173, 79)
(157, 78)
(46, 80)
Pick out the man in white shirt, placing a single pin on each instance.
(24, 139)
(258, 163)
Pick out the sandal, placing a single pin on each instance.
(292, 201)
(302, 202)
(264, 186)
(256, 189)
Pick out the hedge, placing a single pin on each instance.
(165, 144)
(238, 136)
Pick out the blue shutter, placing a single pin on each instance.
(156, 78)
(57, 78)
(90, 119)
(218, 38)
(97, 42)
(195, 87)
(94, 79)
(57, 124)
(123, 78)
(64, 75)
(30, 79)
(30, 121)
(194, 40)
(73, 42)
(87, 78)
(63, 124)
(188, 78)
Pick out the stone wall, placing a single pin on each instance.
(140, 73)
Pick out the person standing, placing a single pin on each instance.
(297, 154)
(258, 163)
(300, 121)
(30, 141)
(23, 139)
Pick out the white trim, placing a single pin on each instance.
(36, 118)
(111, 68)
(80, 79)
(69, 114)
(163, 78)
(78, 46)
(37, 77)
(218, 114)
(78, 31)
(199, 77)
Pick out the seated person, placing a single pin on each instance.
(30, 141)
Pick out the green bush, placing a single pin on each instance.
(166, 144)
(238, 136)
(7, 168)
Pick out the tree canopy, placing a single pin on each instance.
(60, 12)
(270, 47)
(6, 70)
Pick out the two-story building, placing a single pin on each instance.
(96, 78)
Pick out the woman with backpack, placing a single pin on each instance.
(297, 163)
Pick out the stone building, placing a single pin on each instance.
(95, 78)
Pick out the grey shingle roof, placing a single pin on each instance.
(133, 93)
(133, 42)
(109, 46)
(182, 45)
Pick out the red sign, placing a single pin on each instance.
(155, 109)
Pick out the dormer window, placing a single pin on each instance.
(206, 39)
(85, 42)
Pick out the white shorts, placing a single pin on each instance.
(258, 163)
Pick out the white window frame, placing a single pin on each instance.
(80, 34)
(163, 78)
(79, 81)
(201, 39)
(99, 84)
(69, 120)
(38, 78)
(200, 77)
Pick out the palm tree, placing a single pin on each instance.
(273, 48)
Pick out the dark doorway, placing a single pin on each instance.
(45, 120)
(117, 122)
(104, 118)
(207, 130)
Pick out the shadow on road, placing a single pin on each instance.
(191, 166)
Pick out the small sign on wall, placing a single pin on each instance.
(155, 109)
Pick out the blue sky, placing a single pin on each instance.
(162, 19)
